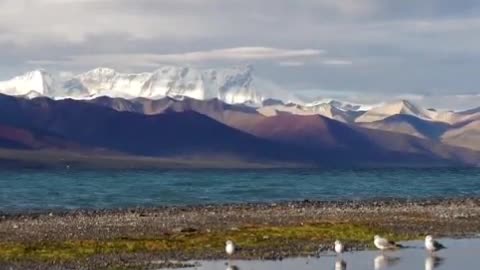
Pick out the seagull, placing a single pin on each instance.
(384, 244)
(229, 247)
(340, 265)
(431, 245)
(339, 247)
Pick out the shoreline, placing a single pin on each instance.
(374, 201)
(134, 237)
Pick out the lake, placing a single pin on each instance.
(40, 190)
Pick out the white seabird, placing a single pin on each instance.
(432, 245)
(384, 244)
(229, 247)
(339, 247)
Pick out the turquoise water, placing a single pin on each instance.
(31, 190)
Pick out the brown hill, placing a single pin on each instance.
(212, 129)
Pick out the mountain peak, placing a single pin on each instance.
(101, 71)
(38, 80)
(35, 74)
(401, 106)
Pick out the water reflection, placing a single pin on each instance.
(384, 261)
(340, 264)
(460, 255)
(432, 262)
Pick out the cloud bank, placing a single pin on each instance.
(365, 47)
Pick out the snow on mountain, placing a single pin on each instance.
(38, 81)
(324, 109)
(237, 85)
(393, 108)
(231, 85)
(342, 105)
(407, 108)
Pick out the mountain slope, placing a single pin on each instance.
(343, 143)
(212, 108)
(188, 128)
(324, 109)
(167, 134)
(37, 81)
(467, 136)
(409, 125)
(404, 107)
(320, 133)
(399, 107)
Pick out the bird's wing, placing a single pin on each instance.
(386, 243)
(383, 242)
(438, 246)
(392, 244)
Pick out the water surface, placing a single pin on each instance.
(460, 254)
(27, 190)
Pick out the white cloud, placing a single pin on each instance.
(351, 7)
(291, 63)
(237, 54)
(26, 22)
(337, 62)
(377, 45)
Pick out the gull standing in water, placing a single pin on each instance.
(431, 245)
(229, 247)
(339, 247)
(384, 244)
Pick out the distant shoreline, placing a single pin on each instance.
(126, 237)
(101, 159)
(367, 202)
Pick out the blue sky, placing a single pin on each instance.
(359, 50)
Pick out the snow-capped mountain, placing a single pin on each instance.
(37, 81)
(231, 85)
(330, 110)
(237, 85)
(341, 105)
(405, 107)
(393, 108)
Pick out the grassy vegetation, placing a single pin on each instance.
(195, 244)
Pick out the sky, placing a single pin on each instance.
(365, 51)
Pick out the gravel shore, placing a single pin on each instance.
(403, 219)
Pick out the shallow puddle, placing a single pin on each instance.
(460, 254)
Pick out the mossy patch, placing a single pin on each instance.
(195, 244)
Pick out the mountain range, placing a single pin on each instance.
(180, 113)
(231, 85)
